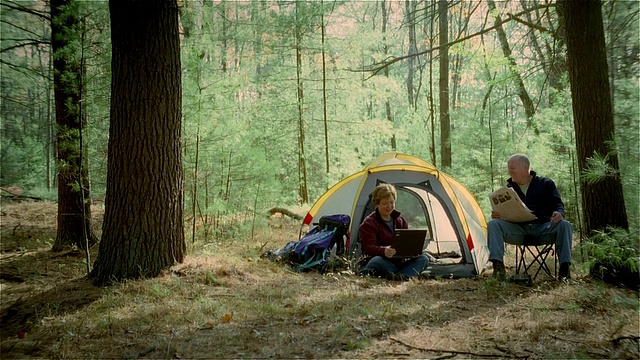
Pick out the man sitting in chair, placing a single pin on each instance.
(541, 197)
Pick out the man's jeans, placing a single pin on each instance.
(501, 231)
(382, 266)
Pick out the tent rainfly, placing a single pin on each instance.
(427, 198)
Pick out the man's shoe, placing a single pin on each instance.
(425, 275)
(499, 271)
(565, 271)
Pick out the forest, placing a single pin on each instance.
(160, 135)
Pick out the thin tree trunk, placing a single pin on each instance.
(194, 195)
(302, 165)
(324, 94)
(385, 50)
(527, 103)
(432, 116)
(410, 9)
(445, 121)
(225, 35)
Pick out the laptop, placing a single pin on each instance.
(409, 242)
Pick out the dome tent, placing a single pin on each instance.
(428, 199)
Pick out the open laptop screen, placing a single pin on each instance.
(409, 242)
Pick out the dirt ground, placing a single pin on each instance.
(226, 302)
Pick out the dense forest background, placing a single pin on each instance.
(282, 99)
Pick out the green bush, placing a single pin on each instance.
(614, 256)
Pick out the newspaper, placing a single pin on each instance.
(508, 204)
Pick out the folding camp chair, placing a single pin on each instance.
(539, 252)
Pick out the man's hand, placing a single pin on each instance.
(556, 217)
(495, 214)
(389, 252)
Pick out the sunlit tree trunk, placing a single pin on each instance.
(602, 200)
(143, 223)
(74, 200)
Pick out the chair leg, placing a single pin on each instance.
(539, 257)
(520, 259)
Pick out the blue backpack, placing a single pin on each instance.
(312, 251)
(315, 246)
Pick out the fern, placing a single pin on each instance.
(613, 247)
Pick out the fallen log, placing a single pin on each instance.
(283, 211)
(16, 194)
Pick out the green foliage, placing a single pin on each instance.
(48, 194)
(240, 101)
(618, 247)
(599, 166)
(614, 255)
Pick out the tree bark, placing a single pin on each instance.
(602, 201)
(74, 205)
(143, 223)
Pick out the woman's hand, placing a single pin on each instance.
(389, 252)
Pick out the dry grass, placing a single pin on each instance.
(225, 301)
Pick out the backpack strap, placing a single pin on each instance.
(313, 261)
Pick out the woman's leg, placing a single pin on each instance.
(378, 266)
(414, 266)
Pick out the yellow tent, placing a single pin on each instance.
(428, 199)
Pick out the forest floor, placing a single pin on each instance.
(224, 301)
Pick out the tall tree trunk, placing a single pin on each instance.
(410, 9)
(324, 93)
(432, 116)
(143, 229)
(225, 46)
(603, 200)
(302, 160)
(385, 50)
(527, 103)
(445, 121)
(74, 205)
(456, 80)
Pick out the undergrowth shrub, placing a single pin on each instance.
(614, 257)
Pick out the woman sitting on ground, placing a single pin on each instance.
(376, 233)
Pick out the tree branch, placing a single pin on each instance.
(33, 42)
(375, 68)
(459, 352)
(15, 6)
(527, 23)
(20, 27)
